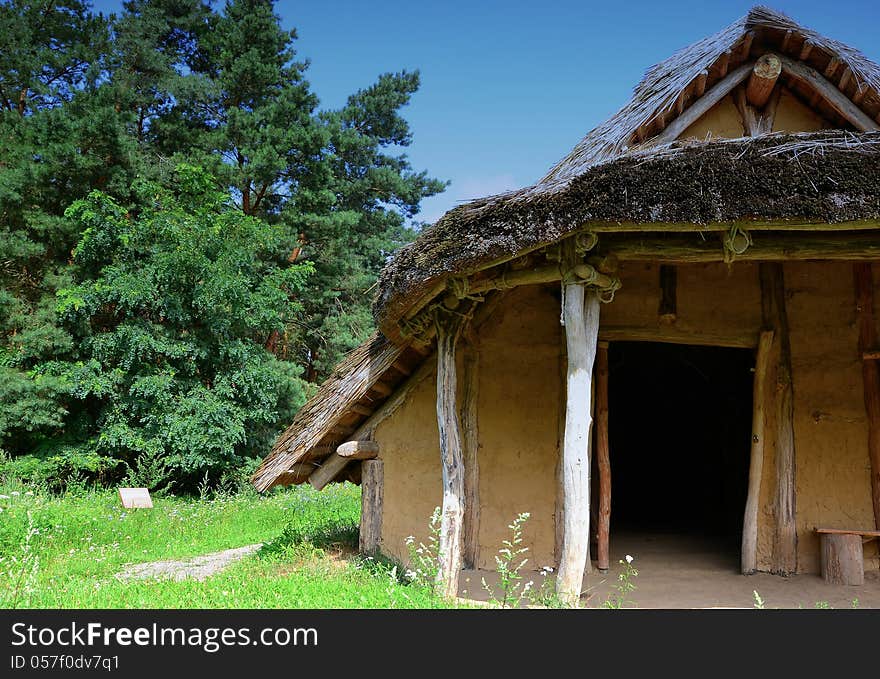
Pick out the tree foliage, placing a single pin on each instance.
(185, 235)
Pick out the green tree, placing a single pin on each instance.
(171, 309)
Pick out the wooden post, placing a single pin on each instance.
(449, 327)
(581, 316)
(756, 465)
(372, 481)
(603, 457)
(471, 442)
(864, 284)
(776, 318)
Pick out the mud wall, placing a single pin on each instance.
(521, 353)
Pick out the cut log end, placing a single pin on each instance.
(763, 79)
(359, 450)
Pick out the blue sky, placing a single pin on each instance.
(509, 87)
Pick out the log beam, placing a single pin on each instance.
(749, 553)
(372, 498)
(676, 335)
(767, 247)
(581, 316)
(359, 450)
(762, 80)
(327, 471)
(864, 287)
(776, 318)
(696, 110)
(836, 99)
(449, 328)
(603, 459)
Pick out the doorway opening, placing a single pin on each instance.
(680, 421)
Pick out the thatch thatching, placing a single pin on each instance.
(322, 420)
(615, 175)
(594, 182)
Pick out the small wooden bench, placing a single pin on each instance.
(842, 559)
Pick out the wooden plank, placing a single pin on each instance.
(864, 288)
(749, 554)
(372, 499)
(703, 104)
(581, 315)
(843, 531)
(835, 98)
(785, 501)
(603, 459)
(358, 450)
(675, 335)
(452, 463)
(471, 444)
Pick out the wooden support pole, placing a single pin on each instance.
(372, 494)
(864, 284)
(763, 79)
(581, 316)
(776, 318)
(668, 310)
(756, 464)
(603, 458)
(449, 328)
(471, 443)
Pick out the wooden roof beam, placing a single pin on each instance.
(763, 79)
(704, 103)
(836, 99)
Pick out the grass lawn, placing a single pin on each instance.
(66, 552)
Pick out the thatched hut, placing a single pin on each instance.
(683, 305)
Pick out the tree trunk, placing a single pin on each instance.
(581, 315)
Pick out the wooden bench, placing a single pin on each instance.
(842, 559)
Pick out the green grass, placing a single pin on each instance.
(80, 542)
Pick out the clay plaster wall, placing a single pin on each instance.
(521, 351)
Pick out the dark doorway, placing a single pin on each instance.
(679, 428)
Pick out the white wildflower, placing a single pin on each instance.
(629, 559)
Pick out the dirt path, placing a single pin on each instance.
(197, 567)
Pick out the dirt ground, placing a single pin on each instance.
(688, 572)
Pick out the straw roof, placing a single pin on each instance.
(616, 175)
(477, 234)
